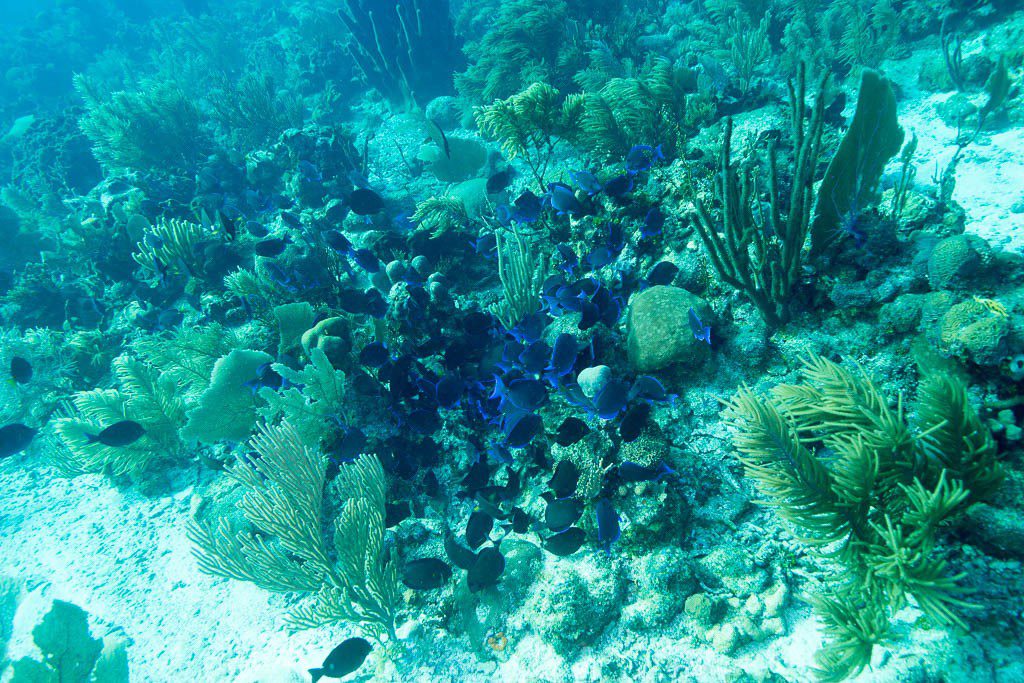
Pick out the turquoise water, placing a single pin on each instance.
(418, 340)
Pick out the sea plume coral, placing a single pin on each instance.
(868, 489)
(283, 547)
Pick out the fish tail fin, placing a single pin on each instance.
(92, 438)
(317, 674)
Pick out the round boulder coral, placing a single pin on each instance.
(659, 329)
(955, 259)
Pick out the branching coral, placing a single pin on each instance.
(757, 254)
(352, 577)
(524, 44)
(151, 129)
(315, 397)
(530, 125)
(145, 395)
(521, 277)
(170, 245)
(869, 490)
(405, 49)
(647, 108)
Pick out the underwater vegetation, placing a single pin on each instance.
(513, 339)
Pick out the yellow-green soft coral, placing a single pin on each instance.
(868, 489)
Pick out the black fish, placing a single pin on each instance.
(634, 421)
(426, 574)
(478, 476)
(270, 248)
(565, 543)
(488, 568)
(461, 557)
(396, 512)
(565, 479)
(561, 514)
(374, 355)
(662, 273)
(21, 370)
(520, 521)
(631, 471)
(570, 431)
(365, 202)
(123, 433)
(15, 438)
(343, 659)
(499, 181)
(444, 140)
(478, 528)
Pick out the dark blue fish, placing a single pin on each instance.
(654, 221)
(619, 185)
(486, 570)
(643, 157)
(266, 376)
(478, 475)
(256, 229)
(271, 247)
(527, 394)
(632, 472)
(485, 245)
(448, 391)
(527, 208)
(336, 240)
(504, 214)
(599, 257)
(374, 355)
(663, 273)
(343, 660)
(590, 315)
(531, 327)
(21, 370)
(701, 332)
(647, 388)
(520, 521)
(366, 260)
(563, 355)
(396, 513)
(364, 202)
(478, 528)
(569, 258)
(461, 557)
(571, 431)
(119, 434)
(520, 428)
(566, 477)
(634, 421)
(347, 447)
(500, 180)
(280, 277)
(534, 357)
(586, 181)
(608, 528)
(565, 543)
(291, 220)
(611, 399)
(563, 200)
(376, 306)
(14, 438)
(561, 513)
(426, 574)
